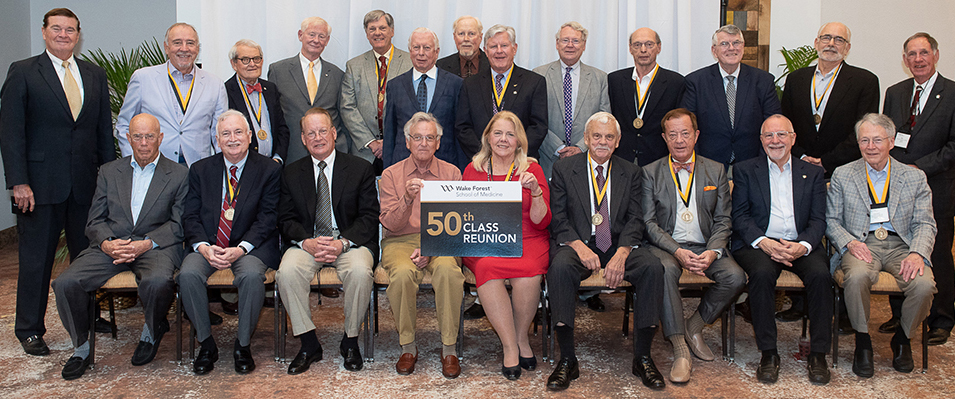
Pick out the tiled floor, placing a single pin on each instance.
(605, 357)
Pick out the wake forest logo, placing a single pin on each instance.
(471, 219)
(447, 188)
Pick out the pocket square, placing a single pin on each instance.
(709, 188)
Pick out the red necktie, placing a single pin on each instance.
(256, 87)
(914, 110)
(602, 233)
(225, 226)
(382, 80)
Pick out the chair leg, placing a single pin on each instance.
(374, 299)
(283, 325)
(924, 347)
(178, 328)
(369, 337)
(460, 344)
(724, 330)
(627, 304)
(92, 332)
(112, 315)
(835, 327)
(546, 330)
(275, 323)
(732, 311)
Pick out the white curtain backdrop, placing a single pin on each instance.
(685, 27)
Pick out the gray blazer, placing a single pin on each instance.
(288, 77)
(713, 201)
(910, 208)
(161, 216)
(592, 97)
(359, 98)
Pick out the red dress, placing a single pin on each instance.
(536, 237)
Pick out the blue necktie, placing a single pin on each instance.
(422, 94)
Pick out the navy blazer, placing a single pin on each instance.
(256, 206)
(752, 201)
(756, 100)
(403, 103)
(645, 144)
(452, 63)
(280, 130)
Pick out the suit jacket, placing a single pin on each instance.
(452, 63)
(713, 206)
(354, 201)
(646, 144)
(932, 145)
(571, 199)
(290, 81)
(910, 208)
(756, 100)
(279, 128)
(160, 218)
(40, 142)
(149, 91)
(256, 206)
(525, 96)
(359, 98)
(752, 202)
(854, 94)
(591, 98)
(402, 103)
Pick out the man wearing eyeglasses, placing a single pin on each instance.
(731, 100)
(879, 216)
(470, 59)
(779, 219)
(824, 101)
(425, 88)
(258, 99)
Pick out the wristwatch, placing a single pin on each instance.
(346, 245)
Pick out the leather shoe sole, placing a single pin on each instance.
(303, 360)
(406, 362)
(680, 370)
(75, 368)
(34, 345)
(450, 367)
(938, 336)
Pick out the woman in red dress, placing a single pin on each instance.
(503, 157)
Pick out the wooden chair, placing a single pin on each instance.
(470, 281)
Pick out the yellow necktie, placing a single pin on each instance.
(312, 84)
(72, 91)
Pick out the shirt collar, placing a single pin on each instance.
(242, 83)
(593, 164)
(410, 167)
(735, 73)
(573, 68)
(135, 165)
(432, 73)
(872, 170)
(927, 86)
(386, 55)
(239, 165)
(329, 160)
(655, 66)
(175, 72)
(305, 61)
(494, 73)
(474, 57)
(59, 63)
(786, 166)
(826, 75)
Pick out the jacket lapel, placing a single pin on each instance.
(667, 219)
(338, 187)
(580, 187)
(47, 70)
(513, 87)
(716, 87)
(156, 186)
(125, 189)
(616, 178)
(658, 84)
(762, 183)
(934, 98)
(586, 76)
(744, 88)
(839, 90)
(799, 189)
(896, 185)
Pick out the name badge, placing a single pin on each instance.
(902, 140)
(879, 215)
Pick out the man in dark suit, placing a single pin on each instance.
(469, 60)
(660, 91)
(135, 224)
(425, 88)
(686, 207)
(825, 101)
(229, 221)
(599, 226)
(55, 130)
(779, 219)
(246, 92)
(730, 100)
(511, 88)
(328, 217)
(923, 108)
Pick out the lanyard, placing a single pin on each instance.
(183, 103)
(258, 112)
(885, 189)
(499, 97)
(490, 170)
(601, 193)
(642, 101)
(689, 184)
(381, 83)
(818, 99)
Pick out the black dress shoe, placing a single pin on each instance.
(214, 319)
(269, 302)
(902, 358)
(102, 326)
(818, 368)
(527, 363)
(244, 363)
(789, 315)
(845, 327)
(938, 336)
(34, 345)
(862, 363)
(768, 371)
(742, 310)
(511, 373)
(75, 367)
(644, 368)
(205, 361)
(595, 303)
(889, 326)
(353, 360)
(303, 360)
(145, 351)
(476, 311)
(565, 372)
(230, 308)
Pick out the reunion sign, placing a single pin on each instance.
(471, 218)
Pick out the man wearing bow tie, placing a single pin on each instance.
(260, 102)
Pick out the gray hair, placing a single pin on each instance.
(375, 15)
(603, 118)
(424, 30)
(879, 120)
(575, 26)
(931, 41)
(233, 52)
(731, 30)
(165, 37)
(454, 26)
(848, 32)
(419, 117)
(307, 22)
(229, 113)
(494, 30)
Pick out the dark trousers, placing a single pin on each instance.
(763, 272)
(38, 233)
(642, 270)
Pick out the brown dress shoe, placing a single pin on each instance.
(406, 363)
(329, 292)
(450, 366)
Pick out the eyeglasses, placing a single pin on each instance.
(140, 137)
(673, 136)
(877, 141)
(648, 45)
(323, 133)
(840, 41)
(319, 36)
(734, 44)
(56, 29)
(565, 41)
(782, 134)
(246, 60)
(429, 138)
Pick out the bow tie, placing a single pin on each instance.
(256, 87)
(677, 166)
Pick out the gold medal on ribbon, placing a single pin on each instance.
(881, 233)
(262, 134)
(817, 118)
(686, 216)
(229, 214)
(381, 97)
(637, 123)
(597, 219)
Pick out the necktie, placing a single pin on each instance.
(323, 207)
(678, 166)
(423, 94)
(256, 87)
(731, 99)
(72, 91)
(468, 68)
(382, 79)
(603, 229)
(914, 111)
(568, 106)
(312, 83)
(225, 226)
(500, 89)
